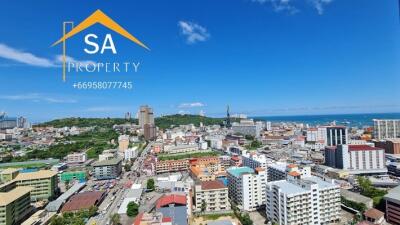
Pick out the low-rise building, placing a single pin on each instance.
(212, 194)
(167, 166)
(73, 175)
(107, 169)
(76, 157)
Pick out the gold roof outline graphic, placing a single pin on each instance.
(99, 17)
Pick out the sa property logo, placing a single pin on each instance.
(95, 46)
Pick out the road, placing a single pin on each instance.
(113, 204)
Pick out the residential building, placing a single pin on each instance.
(357, 159)
(145, 116)
(150, 132)
(280, 170)
(123, 143)
(254, 160)
(15, 205)
(43, 182)
(247, 187)
(248, 127)
(214, 194)
(152, 219)
(167, 166)
(336, 135)
(391, 145)
(107, 169)
(174, 149)
(393, 206)
(7, 122)
(306, 200)
(108, 155)
(76, 157)
(130, 153)
(386, 128)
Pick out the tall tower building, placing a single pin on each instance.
(145, 116)
(228, 118)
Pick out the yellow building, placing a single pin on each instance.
(8, 174)
(44, 183)
(15, 205)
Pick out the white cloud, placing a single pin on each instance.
(193, 32)
(36, 97)
(280, 5)
(191, 105)
(319, 5)
(24, 57)
(288, 6)
(30, 59)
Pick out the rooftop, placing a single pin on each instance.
(107, 162)
(373, 213)
(171, 199)
(41, 174)
(363, 148)
(394, 194)
(83, 201)
(9, 170)
(215, 184)
(287, 187)
(238, 171)
(8, 197)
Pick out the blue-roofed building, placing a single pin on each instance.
(247, 187)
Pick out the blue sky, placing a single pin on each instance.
(262, 57)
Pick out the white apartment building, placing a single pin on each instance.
(254, 160)
(316, 135)
(248, 127)
(247, 187)
(76, 157)
(280, 170)
(386, 129)
(307, 200)
(356, 159)
(130, 153)
(214, 194)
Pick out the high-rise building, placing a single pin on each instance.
(254, 160)
(247, 187)
(145, 116)
(7, 122)
(150, 132)
(228, 118)
(306, 200)
(248, 127)
(336, 135)
(280, 171)
(386, 129)
(356, 159)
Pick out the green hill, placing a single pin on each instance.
(161, 122)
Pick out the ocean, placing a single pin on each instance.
(350, 120)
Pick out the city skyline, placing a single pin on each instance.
(261, 58)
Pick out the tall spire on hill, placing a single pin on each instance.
(228, 118)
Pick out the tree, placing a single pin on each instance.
(203, 206)
(115, 219)
(92, 210)
(150, 184)
(245, 219)
(128, 167)
(132, 209)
